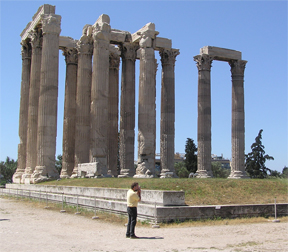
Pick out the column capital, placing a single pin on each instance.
(114, 58)
(71, 56)
(129, 51)
(204, 62)
(36, 38)
(25, 49)
(237, 67)
(85, 45)
(101, 31)
(51, 23)
(168, 56)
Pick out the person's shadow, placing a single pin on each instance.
(152, 237)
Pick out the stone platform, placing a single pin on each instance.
(156, 205)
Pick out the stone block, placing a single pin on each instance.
(67, 42)
(149, 29)
(119, 36)
(163, 43)
(221, 54)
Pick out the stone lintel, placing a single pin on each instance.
(148, 29)
(163, 43)
(36, 19)
(67, 42)
(118, 36)
(102, 19)
(221, 54)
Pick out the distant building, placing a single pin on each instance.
(225, 163)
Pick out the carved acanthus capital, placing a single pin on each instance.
(129, 51)
(85, 45)
(114, 57)
(51, 23)
(168, 56)
(101, 31)
(36, 38)
(204, 62)
(71, 56)
(237, 67)
(25, 49)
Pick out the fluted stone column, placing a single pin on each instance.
(238, 120)
(47, 112)
(31, 152)
(71, 59)
(99, 96)
(167, 124)
(23, 114)
(83, 100)
(127, 110)
(146, 110)
(204, 116)
(113, 100)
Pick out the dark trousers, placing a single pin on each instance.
(132, 219)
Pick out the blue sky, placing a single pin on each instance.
(256, 28)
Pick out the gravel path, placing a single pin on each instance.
(24, 228)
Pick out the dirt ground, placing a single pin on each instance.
(24, 228)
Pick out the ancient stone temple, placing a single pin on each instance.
(204, 61)
(90, 127)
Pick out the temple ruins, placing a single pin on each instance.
(90, 126)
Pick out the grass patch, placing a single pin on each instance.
(199, 191)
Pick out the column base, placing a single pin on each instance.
(168, 175)
(26, 177)
(17, 177)
(38, 175)
(204, 174)
(238, 175)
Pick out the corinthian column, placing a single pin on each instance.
(146, 109)
(69, 112)
(167, 127)
(127, 110)
(204, 116)
(23, 114)
(238, 120)
(99, 95)
(47, 112)
(83, 99)
(114, 61)
(31, 152)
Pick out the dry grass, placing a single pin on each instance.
(200, 191)
(122, 220)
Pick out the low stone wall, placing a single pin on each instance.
(156, 205)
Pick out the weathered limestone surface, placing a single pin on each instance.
(23, 114)
(114, 61)
(127, 112)
(167, 124)
(47, 113)
(238, 120)
(219, 53)
(31, 152)
(147, 106)
(204, 60)
(204, 116)
(83, 98)
(71, 59)
(99, 94)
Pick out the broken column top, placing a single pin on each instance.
(222, 54)
(36, 19)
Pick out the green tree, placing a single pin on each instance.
(190, 156)
(7, 169)
(181, 170)
(285, 172)
(58, 163)
(275, 174)
(255, 160)
(218, 171)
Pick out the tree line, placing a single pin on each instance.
(254, 164)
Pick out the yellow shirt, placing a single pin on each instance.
(132, 198)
